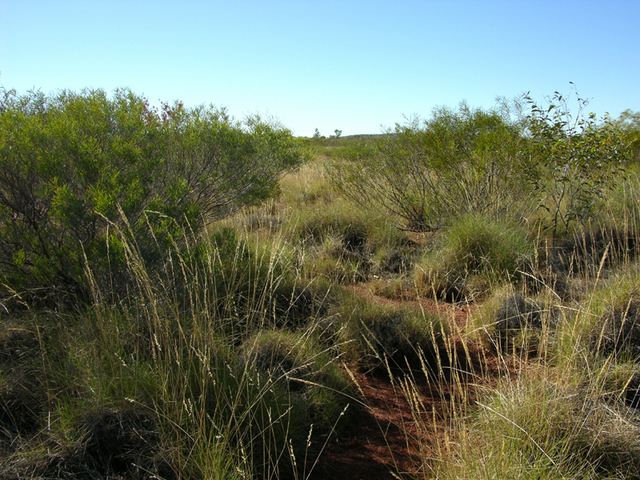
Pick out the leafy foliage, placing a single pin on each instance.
(490, 162)
(73, 164)
(629, 123)
(576, 158)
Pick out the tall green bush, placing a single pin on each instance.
(576, 158)
(72, 164)
(629, 123)
(458, 161)
(491, 162)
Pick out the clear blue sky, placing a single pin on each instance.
(352, 65)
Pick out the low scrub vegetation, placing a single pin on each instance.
(472, 254)
(185, 295)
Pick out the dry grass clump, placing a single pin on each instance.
(345, 245)
(301, 393)
(512, 321)
(299, 305)
(617, 334)
(169, 354)
(55, 421)
(546, 424)
(297, 362)
(381, 337)
(307, 186)
(35, 368)
(572, 411)
(111, 443)
(587, 251)
(21, 398)
(473, 254)
(606, 323)
(623, 383)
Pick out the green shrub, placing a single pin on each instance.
(575, 159)
(426, 172)
(76, 164)
(629, 123)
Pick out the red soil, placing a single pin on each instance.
(389, 441)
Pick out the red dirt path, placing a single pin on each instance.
(385, 441)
